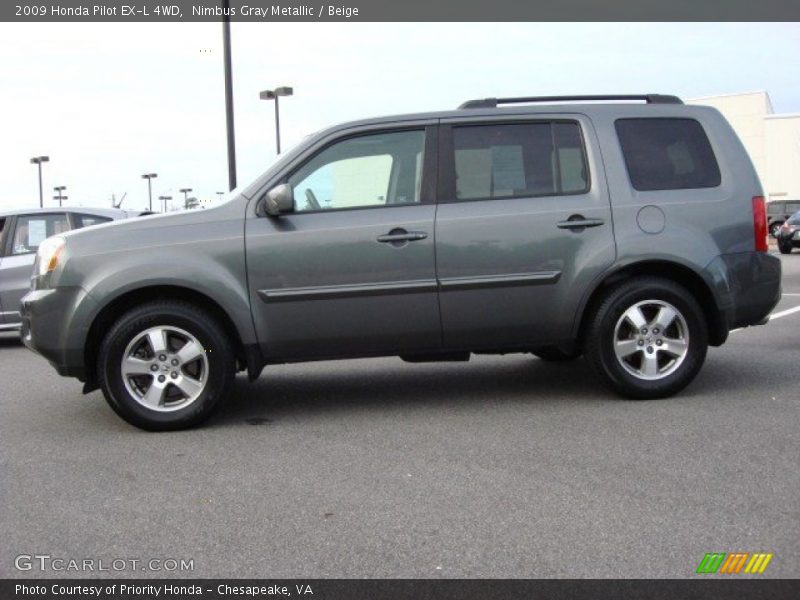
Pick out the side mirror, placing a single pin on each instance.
(279, 200)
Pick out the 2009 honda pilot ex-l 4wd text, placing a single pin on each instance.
(632, 233)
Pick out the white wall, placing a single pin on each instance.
(783, 156)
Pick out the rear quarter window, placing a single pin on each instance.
(82, 220)
(667, 154)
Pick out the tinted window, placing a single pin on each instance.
(31, 230)
(667, 154)
(519, 160)
(370, 170)
(89, 220)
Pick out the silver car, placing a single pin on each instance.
(21, 232)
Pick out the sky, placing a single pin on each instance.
(111, 101)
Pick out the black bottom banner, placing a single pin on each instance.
(400, 589)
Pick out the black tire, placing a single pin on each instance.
(601, 338)
(785, 248)
(553, 354)
(215, 364)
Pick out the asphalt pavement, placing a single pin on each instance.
(499, 467)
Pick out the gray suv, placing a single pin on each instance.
(632, 233)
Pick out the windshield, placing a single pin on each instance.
(795, 218)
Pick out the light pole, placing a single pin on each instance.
(185, 196)
(165, 199)
(274, 95)
(60, 197)
(38, 160)
(150, 177)
(226, 50)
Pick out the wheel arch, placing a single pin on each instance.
(677, 272)
(247, 355)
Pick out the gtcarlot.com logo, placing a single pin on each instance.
(734, 563)
(45, 562)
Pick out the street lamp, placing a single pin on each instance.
(60, 197)
(185, 196)
(38, 160)
(165, 199)
(150, 177)
(274, 95)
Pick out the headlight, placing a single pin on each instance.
(48, 255)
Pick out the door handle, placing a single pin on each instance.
(401, 236)
(579, 222)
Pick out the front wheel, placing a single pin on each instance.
(165, 365)
(647, 339)
(785, 248)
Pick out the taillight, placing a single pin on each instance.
(760, 224)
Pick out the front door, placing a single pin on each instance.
(351, 271)
(523, 227)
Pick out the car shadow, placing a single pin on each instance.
(304, 390)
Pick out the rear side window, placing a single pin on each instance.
(82, 221)
(667, 154)
(519, 160)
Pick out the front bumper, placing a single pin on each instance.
(792, 238)
(52, 325)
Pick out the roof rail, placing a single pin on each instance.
(495, 102)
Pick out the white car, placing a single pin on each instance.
(21, 232)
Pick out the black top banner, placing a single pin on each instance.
(258, 11)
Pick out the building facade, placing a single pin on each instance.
(772, 140)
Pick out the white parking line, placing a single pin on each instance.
(784, 313)
(777, 315)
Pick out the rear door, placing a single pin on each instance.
(523, 227)
(351, 271)
(22, 240)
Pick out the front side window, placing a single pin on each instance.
(31, 230)
(667, 154)
(370, 170)
(519, 160)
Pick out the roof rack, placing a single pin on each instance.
(495, 102)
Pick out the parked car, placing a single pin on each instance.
(635, 234)
(778, 211)
(789, 234)
(21, 232)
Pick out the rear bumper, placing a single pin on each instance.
(52, 327)
(747, 285)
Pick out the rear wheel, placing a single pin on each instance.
(648, 338)
(165, 365)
